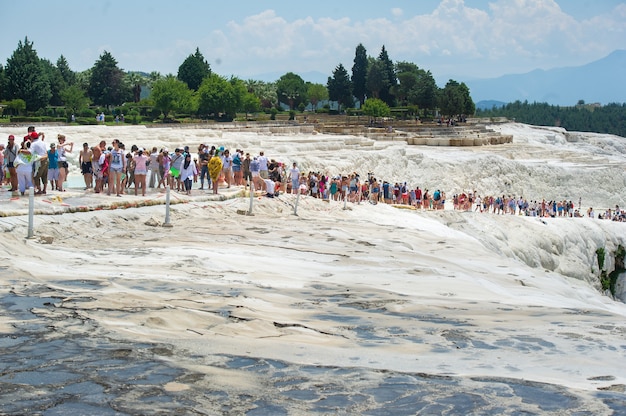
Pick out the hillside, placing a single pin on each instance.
(598, 81)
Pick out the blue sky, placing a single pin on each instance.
(460, 39)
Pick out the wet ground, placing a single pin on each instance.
(49, 367)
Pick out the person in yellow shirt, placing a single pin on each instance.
(215, 168)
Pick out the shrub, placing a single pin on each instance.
(273, 113)
(87, 112)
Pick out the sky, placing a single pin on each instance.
(458, 39)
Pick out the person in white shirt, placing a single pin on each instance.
(294, 174)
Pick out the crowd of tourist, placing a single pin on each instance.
(112, 169)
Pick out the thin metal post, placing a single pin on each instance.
(251, 195)
(167, 222)
(295, 208)
(31, 212)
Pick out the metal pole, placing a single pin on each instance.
(295, 208)
(167, 207)
(251, 195)
(31, 211)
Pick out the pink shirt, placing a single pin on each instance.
(140, 163)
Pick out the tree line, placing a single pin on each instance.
(30, 85)
(610, 119)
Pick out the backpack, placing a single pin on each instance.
(436, 196)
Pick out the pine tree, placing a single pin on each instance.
(193, 70)
(340, 87)
(68, 75)
(26, 77)
(106, 84)
(359, 74)
(386, 94)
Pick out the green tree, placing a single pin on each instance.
(385, 94)
(55, 80)
(220, 97)
(16, 107)
(171, 95)
(455, 99)
(26, 77)
(3, 84)
(264, 91)
(340, 88)
(375, 107)
(469, 108)
(408, 75)
(424, 95)
(251, 103)
(74, 99)
(68, 75)
(316, 93)
(359, 74)
(291, 90)
(377, 79)
(193, 70)
(106, 82)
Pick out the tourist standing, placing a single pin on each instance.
(153, 168)
(38, 149)
(188, 173)
(215, 167)
(263, 171)
(84, 159)
(53, 167)
(24, 167)
(62, 149)
(141, 170)
(10, 153)
(117, 165)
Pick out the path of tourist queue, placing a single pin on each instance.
(112, 169)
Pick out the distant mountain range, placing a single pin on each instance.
(600, 81)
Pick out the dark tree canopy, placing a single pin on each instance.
(291, 90)
(55, 80)
(3, 83)
(68, 75)
(106, 84)
(193, 70)
(340, 87)
(359, 74)
(454, 99)
(26, 77)
(377, 79)
(415, 86)
(386, 94)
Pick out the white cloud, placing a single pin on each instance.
(512, 36)
(397, 12)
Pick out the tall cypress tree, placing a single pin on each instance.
(26, 77)
(359, 74)
(386, 94)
